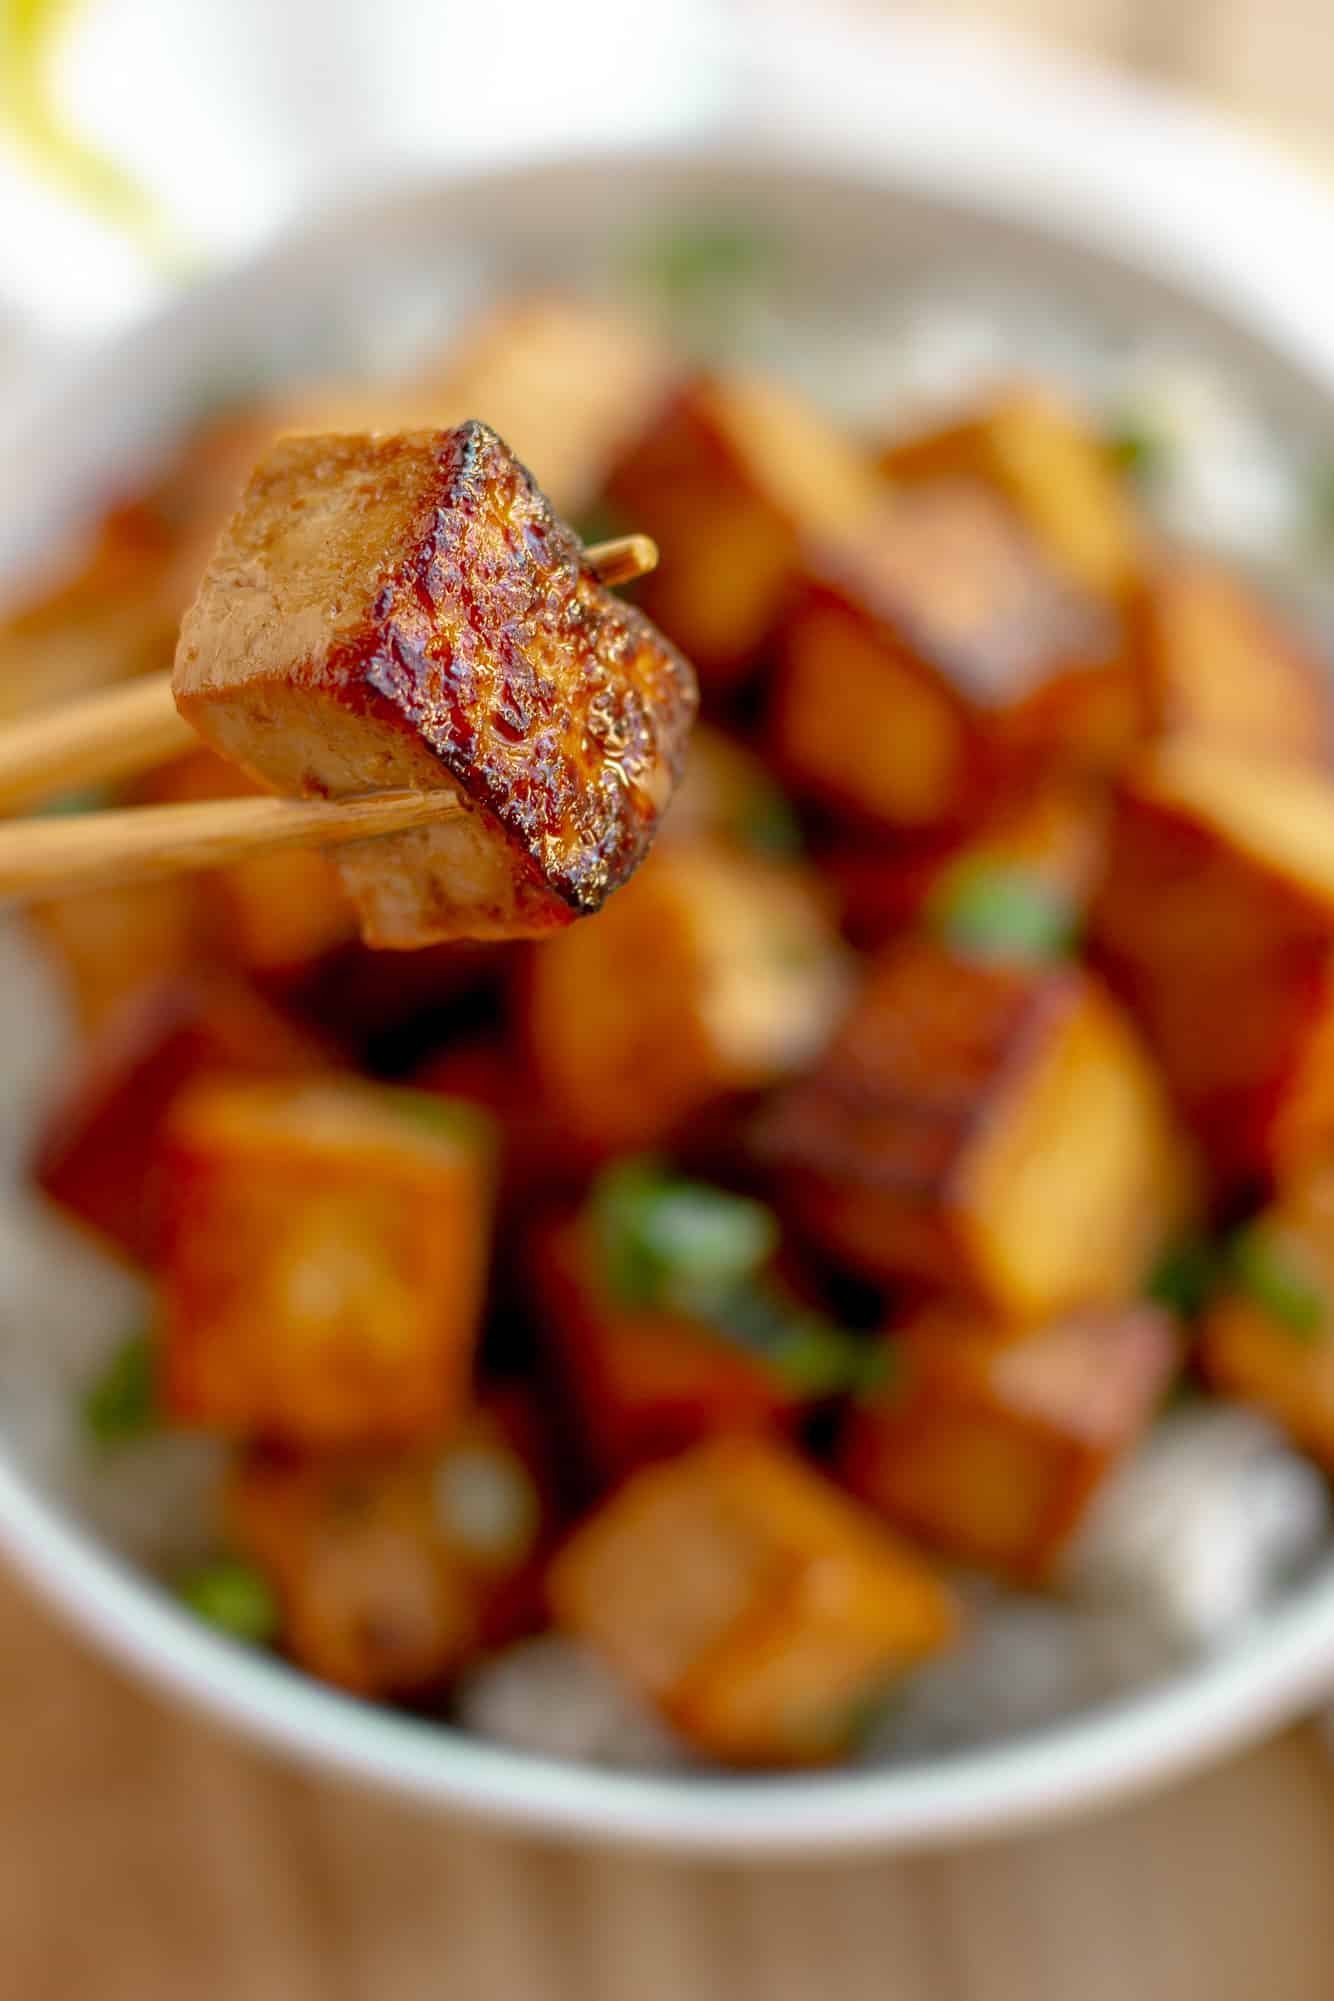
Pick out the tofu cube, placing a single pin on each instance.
(406, 611)
(714, 973)
(747, 1598)
(100, 1155)
(990, 1444)
(1268, 1339)
(1216, 925)
(732, 476)
(392, 1571)
(1223, 667)
(1049, 465)
(643, 1382)
(325, 1255)
(997, 1130)
(934, 659)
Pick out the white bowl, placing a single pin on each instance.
(998, 203)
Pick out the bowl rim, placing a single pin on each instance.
(1260, 280)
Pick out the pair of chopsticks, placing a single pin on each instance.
(127, 729)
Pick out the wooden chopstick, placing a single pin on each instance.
(59, 856)
(123, 730)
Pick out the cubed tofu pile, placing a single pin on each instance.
(712, 1286)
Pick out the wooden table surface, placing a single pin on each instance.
(143, 1856)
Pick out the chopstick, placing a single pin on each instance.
(57, 857)
(127, 729)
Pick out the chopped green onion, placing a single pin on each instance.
(1137, 449)
(65, 804)
(986, 910)
(1322, 501)
(767, 824)
(119, 1404)
(1272, 1269)
(446, 1118)
(234, 1597)
(811, 1355)
(675, 1243)
(1185, 1277)
(695, 260)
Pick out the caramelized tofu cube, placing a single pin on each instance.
(101, 1153)
(643, 1382)
(935, 658)
(1052, 469)
(567, 383)
(1019, 889)
(993, 1129)
(714, 973)
(990, 1443)
(730, 479)
(1268, 1339)
(392, 1570)
(325, 1253)
(755, 1605)
(407, 611)
(1216, 924)
(1223, 667)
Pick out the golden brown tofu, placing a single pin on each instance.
(993, 1129)
(730, 479)
(325, 1252)
(1268, 1339)
(100, 1154)
(990, 1443)
(714, 973)
(1216, 924)
(935, 658)
(407, 611)
(392, 1570)
(1224, 667)
(1020, 888)
(1050, 466)
(759, 1608)
(644, 1382)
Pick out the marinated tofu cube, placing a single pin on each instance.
(1268, 1339)
(756, 1606)
(1049, 465)
(730, 479)
(1020, 889)
(325, 1254)
(1216, 924)
(935, 659)
(567, 383)
(994, 1129)
(715, 973)
(392, 1571)
(100, 1155)
(406, 611)
(643, 1381)
(989, 1443)
(1224, 667)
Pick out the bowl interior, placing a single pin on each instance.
(367, 291)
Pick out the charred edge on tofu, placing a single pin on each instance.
(507, 568)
